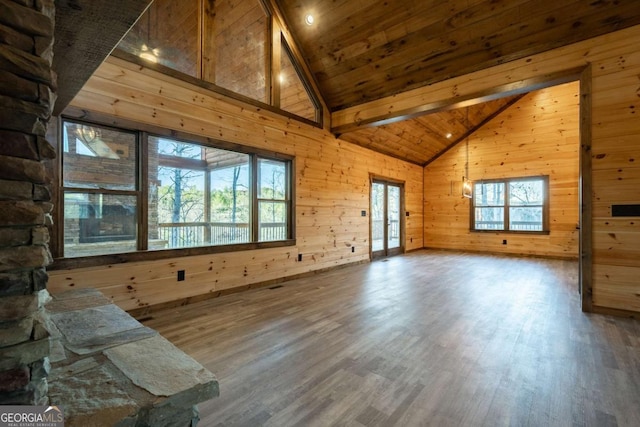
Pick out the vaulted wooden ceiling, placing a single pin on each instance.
(363, 50)
(423, 139)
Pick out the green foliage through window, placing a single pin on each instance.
(516, 204)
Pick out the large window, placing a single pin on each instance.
(516, 204)
(237, 47)
(100, 190)
(184, 195)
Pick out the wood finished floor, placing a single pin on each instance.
(429, 338)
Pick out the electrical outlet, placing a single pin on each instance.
(299, 257)
(353, 249)
(504, 242)
(180, 275)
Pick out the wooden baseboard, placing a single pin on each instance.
(145, 313)
(617, 312)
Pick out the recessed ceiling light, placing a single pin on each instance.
(309, 19)
(449, 135)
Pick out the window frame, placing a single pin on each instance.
(278, 40)
(63, 190)
(143, 132)
(507, 206)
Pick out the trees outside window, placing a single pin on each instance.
(272, 199)
(190, 194)
(204, 196)
(515, 204)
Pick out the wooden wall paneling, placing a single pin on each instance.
(332, 188)
(615, 284)
(616, 176)
(118, 71)
(613, 136)
(533, 137)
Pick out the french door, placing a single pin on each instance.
(387, 228)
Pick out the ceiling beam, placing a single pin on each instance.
(516, 77)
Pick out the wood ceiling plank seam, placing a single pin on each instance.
(325, 18)
(566, 11)
(480, 12)
(353, 43)
(422, 14)
(435, 33)
(395, 156)
(474, 129)
(398, 150)
(491, 62)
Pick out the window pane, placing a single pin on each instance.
(181, 207)
(294, 97)
(526, 193)
(99, 224)
(272, 179)
(377, 216)
(525, 219)
(489, 219)
(176, 195)
(98, 157)
(167, 33)
(273, 221)
(489, 194)
(169, 147)
(230, 198)
(236, 47)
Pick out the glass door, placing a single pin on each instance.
(386, 220)
(393, 217)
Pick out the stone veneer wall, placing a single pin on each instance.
(27, 95)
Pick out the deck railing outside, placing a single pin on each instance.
(515, 225)
(377, 229)
(189, 234)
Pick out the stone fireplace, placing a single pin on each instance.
(27, 95)
(77, 350)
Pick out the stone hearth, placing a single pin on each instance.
(107, 369)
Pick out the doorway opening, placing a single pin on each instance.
(386, 224)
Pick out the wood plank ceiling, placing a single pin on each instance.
(423, 139)
(363, 50)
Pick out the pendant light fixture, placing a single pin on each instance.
(467, 187)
